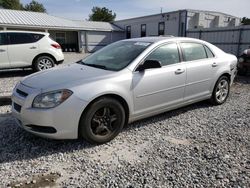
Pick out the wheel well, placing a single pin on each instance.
(44, 54)
(227, 75)
(114, 96)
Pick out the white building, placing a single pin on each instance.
(72, 35)
(175, 23)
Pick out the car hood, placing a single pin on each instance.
(64, 75)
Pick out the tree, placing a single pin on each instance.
(11, 4)
(34, 6)
(102, 14)
(245, 21)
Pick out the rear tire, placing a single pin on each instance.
(43, 63)
(102, 121)
(221, 91)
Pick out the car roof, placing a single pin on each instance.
(13, 31)
(163, 39)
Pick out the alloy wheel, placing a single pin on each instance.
(222, 91)
(44, 64)
(103, 122)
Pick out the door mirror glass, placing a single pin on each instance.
(149, 64)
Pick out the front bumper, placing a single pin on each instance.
(60, 122)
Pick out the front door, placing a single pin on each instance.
(156, 89)
(4, 59)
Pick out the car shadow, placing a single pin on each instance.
(8, 73)
(17, 144)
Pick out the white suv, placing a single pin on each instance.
(19, 49)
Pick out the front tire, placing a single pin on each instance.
(221, 91)
(43, 63)
(102, 121)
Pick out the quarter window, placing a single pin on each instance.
(143, 30)
(20, 38)
(193, 51)
(161, 29)
(209, 52)
(167, 54)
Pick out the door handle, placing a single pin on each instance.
(179, 71)
(1, 50)
(33, 47)
(214, 65)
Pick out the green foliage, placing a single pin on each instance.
(11, 4)
(16, 5)
(245, 21)
(34, 6)
(102, 14)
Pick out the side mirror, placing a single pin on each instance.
(149, 64)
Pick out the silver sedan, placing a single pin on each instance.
(123, 82)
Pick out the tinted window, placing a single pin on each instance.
(143, 30)
(193, 51)
(3, 39)
(167, 54)
(37, 37)
(209, 52)
(161, 29)
(20, 38)
(128, 32)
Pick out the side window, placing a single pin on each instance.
(37, 37)
(193, 51)
(3, 39)
(20, 38)
(167, 54)
(209, 52)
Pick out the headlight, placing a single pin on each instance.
(51, 99)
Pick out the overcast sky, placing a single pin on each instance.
(80, 9)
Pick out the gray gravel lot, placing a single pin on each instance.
(196, 146)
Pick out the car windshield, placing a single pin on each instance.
(116, 56)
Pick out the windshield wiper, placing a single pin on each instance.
(93, 65)
(97, 66)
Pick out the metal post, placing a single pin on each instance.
(200, 34)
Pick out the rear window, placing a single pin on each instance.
(24, 38)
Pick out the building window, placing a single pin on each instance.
(161, 28)
(128, 32)
(61, 38)
(143, 30)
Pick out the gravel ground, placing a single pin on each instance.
(196, 146)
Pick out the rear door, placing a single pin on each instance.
(22, 49)
(4, 59)
(200, 67)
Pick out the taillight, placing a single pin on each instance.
(57, 46)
